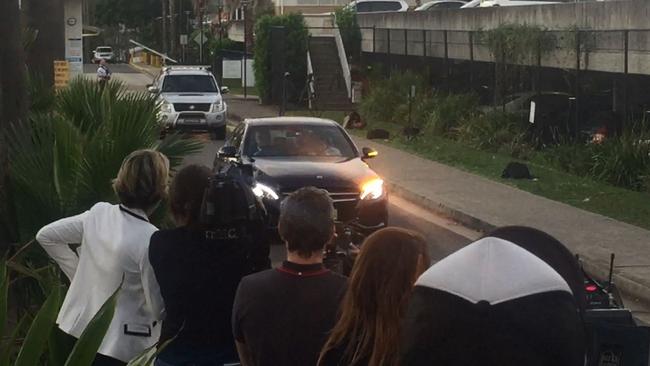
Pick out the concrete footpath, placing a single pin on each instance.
(483, 204)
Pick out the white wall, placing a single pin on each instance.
(72, 10)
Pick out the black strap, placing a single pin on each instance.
(123, 209)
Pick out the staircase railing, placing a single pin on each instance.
(310, 79)
(344, 61)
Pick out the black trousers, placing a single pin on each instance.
(100, 360)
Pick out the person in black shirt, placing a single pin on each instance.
(368, 331)
(198, 278)
(281, 317)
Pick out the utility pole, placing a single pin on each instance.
(244, 4)
(187, 30)
(172, 28)
(164, 26)
(201, 30)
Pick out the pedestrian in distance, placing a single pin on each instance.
(198, 275)
(368, 330)
(492, 303)
(103, 73)
(282, 316)
(113, 252)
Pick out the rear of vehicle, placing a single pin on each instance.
(376, 6)
(103, 53)
(191, 100)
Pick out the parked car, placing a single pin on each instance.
(284, 154)
(491, 3)
(375, 6)
(103, 53)
(191, 100)
(441, 4)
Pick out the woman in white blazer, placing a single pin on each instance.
(114, 245)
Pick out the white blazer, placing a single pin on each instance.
(114, 243)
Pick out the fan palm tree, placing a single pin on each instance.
(69, 158)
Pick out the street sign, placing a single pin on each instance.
(183, 39)
(61, 74)
(198, 39)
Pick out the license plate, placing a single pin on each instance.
(193, 121)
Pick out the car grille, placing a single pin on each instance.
(198, 107)
(345, 203)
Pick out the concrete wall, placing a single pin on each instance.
(603, 49)
(606, 15)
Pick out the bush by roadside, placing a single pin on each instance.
(622, 161)
(294, 55)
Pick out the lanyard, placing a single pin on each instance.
(139, 217)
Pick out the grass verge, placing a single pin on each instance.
(621, 204)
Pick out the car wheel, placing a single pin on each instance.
(219, 133)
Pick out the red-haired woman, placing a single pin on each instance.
(368, 331)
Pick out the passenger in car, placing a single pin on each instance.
(492, 303)
(381, 282)
(312, 144)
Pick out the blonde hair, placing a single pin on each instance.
(142, 179)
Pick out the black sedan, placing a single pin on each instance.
(285, 154)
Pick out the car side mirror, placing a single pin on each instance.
(227, 152)
(369, 153)
(225, 90)
(152, 89)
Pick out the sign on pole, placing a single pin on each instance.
(61, 74)
(183, 39)
(198, 38)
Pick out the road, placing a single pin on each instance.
(442, 235)
(132, 78)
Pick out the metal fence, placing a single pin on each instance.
(610, 66)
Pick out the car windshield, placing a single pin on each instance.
(104, 49)
(189, 84)
(297, 140)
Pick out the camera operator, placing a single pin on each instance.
(199, 265)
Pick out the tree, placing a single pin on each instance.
(13, 106)
(45, 18)
(173, 19)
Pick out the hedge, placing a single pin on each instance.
(295, 57)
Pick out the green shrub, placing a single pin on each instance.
(387, 100)
(346, 21)
(623, 161)
(295, 55)
(420, 109)
(493, 131)
(449, 111)
(66, 160)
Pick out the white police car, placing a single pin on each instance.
(191, 100)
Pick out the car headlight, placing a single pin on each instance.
(372, 190)
(166, 107)
(264, 191)
(218, 107)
